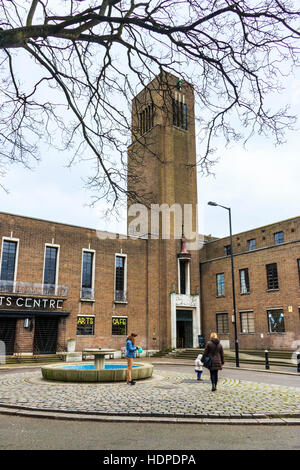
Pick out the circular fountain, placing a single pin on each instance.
(96, 372)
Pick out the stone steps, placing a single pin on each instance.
(279, 358)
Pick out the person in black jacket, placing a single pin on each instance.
(214, 350)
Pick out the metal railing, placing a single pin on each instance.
(32, 288)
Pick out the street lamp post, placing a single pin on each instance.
(237, 363)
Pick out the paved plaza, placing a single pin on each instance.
(168, 396)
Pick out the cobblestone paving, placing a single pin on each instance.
(165, 394)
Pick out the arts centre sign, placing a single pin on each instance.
(30, 302)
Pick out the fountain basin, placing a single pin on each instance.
(88, 373)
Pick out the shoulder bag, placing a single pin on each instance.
(207, 360)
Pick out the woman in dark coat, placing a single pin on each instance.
(214, 349)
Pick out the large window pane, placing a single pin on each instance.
(278, 238)
(252, 244)
(247, 322)
(50, 270)
(222, 323)
(87, 291)
(244, 281)
(87, 269)
(184, 276)
(120, 294)
(185, 116)
(180, 118)
(220, 285)
(8, 260)
(227, 250)
(272, 276)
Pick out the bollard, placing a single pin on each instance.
(298, 362)
(267, 359)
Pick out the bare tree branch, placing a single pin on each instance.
(91, 56)
(31, 12)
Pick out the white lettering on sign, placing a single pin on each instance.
(28, 303)
(18, 302)
(36, 303)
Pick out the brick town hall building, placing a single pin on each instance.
(59, 281)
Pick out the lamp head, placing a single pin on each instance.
(210, 203)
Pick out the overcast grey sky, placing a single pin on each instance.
(260, 184)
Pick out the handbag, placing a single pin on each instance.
(207, 360)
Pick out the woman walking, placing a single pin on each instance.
(214, 350)
(130, 354)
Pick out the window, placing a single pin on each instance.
(244, 281)
(247, 322)
(278, 238)
(87, 291)
(272, 276)
(120, 279)
(251, 244)
(220, 285)
(276, 321)
(50, 270)
(85, 325)
(227, 249)
(222, 323)
(8, 262)
(119, 326)
(298, 262)
(185, 116)
(179, 113)
(184, 276)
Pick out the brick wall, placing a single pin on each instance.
(151, 271)
(260, 299)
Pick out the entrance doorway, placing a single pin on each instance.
(45, 335)
(184, 329)
(8, 334)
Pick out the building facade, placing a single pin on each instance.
(61, 282)
(267, 287)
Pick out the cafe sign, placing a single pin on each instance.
(30, 302)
